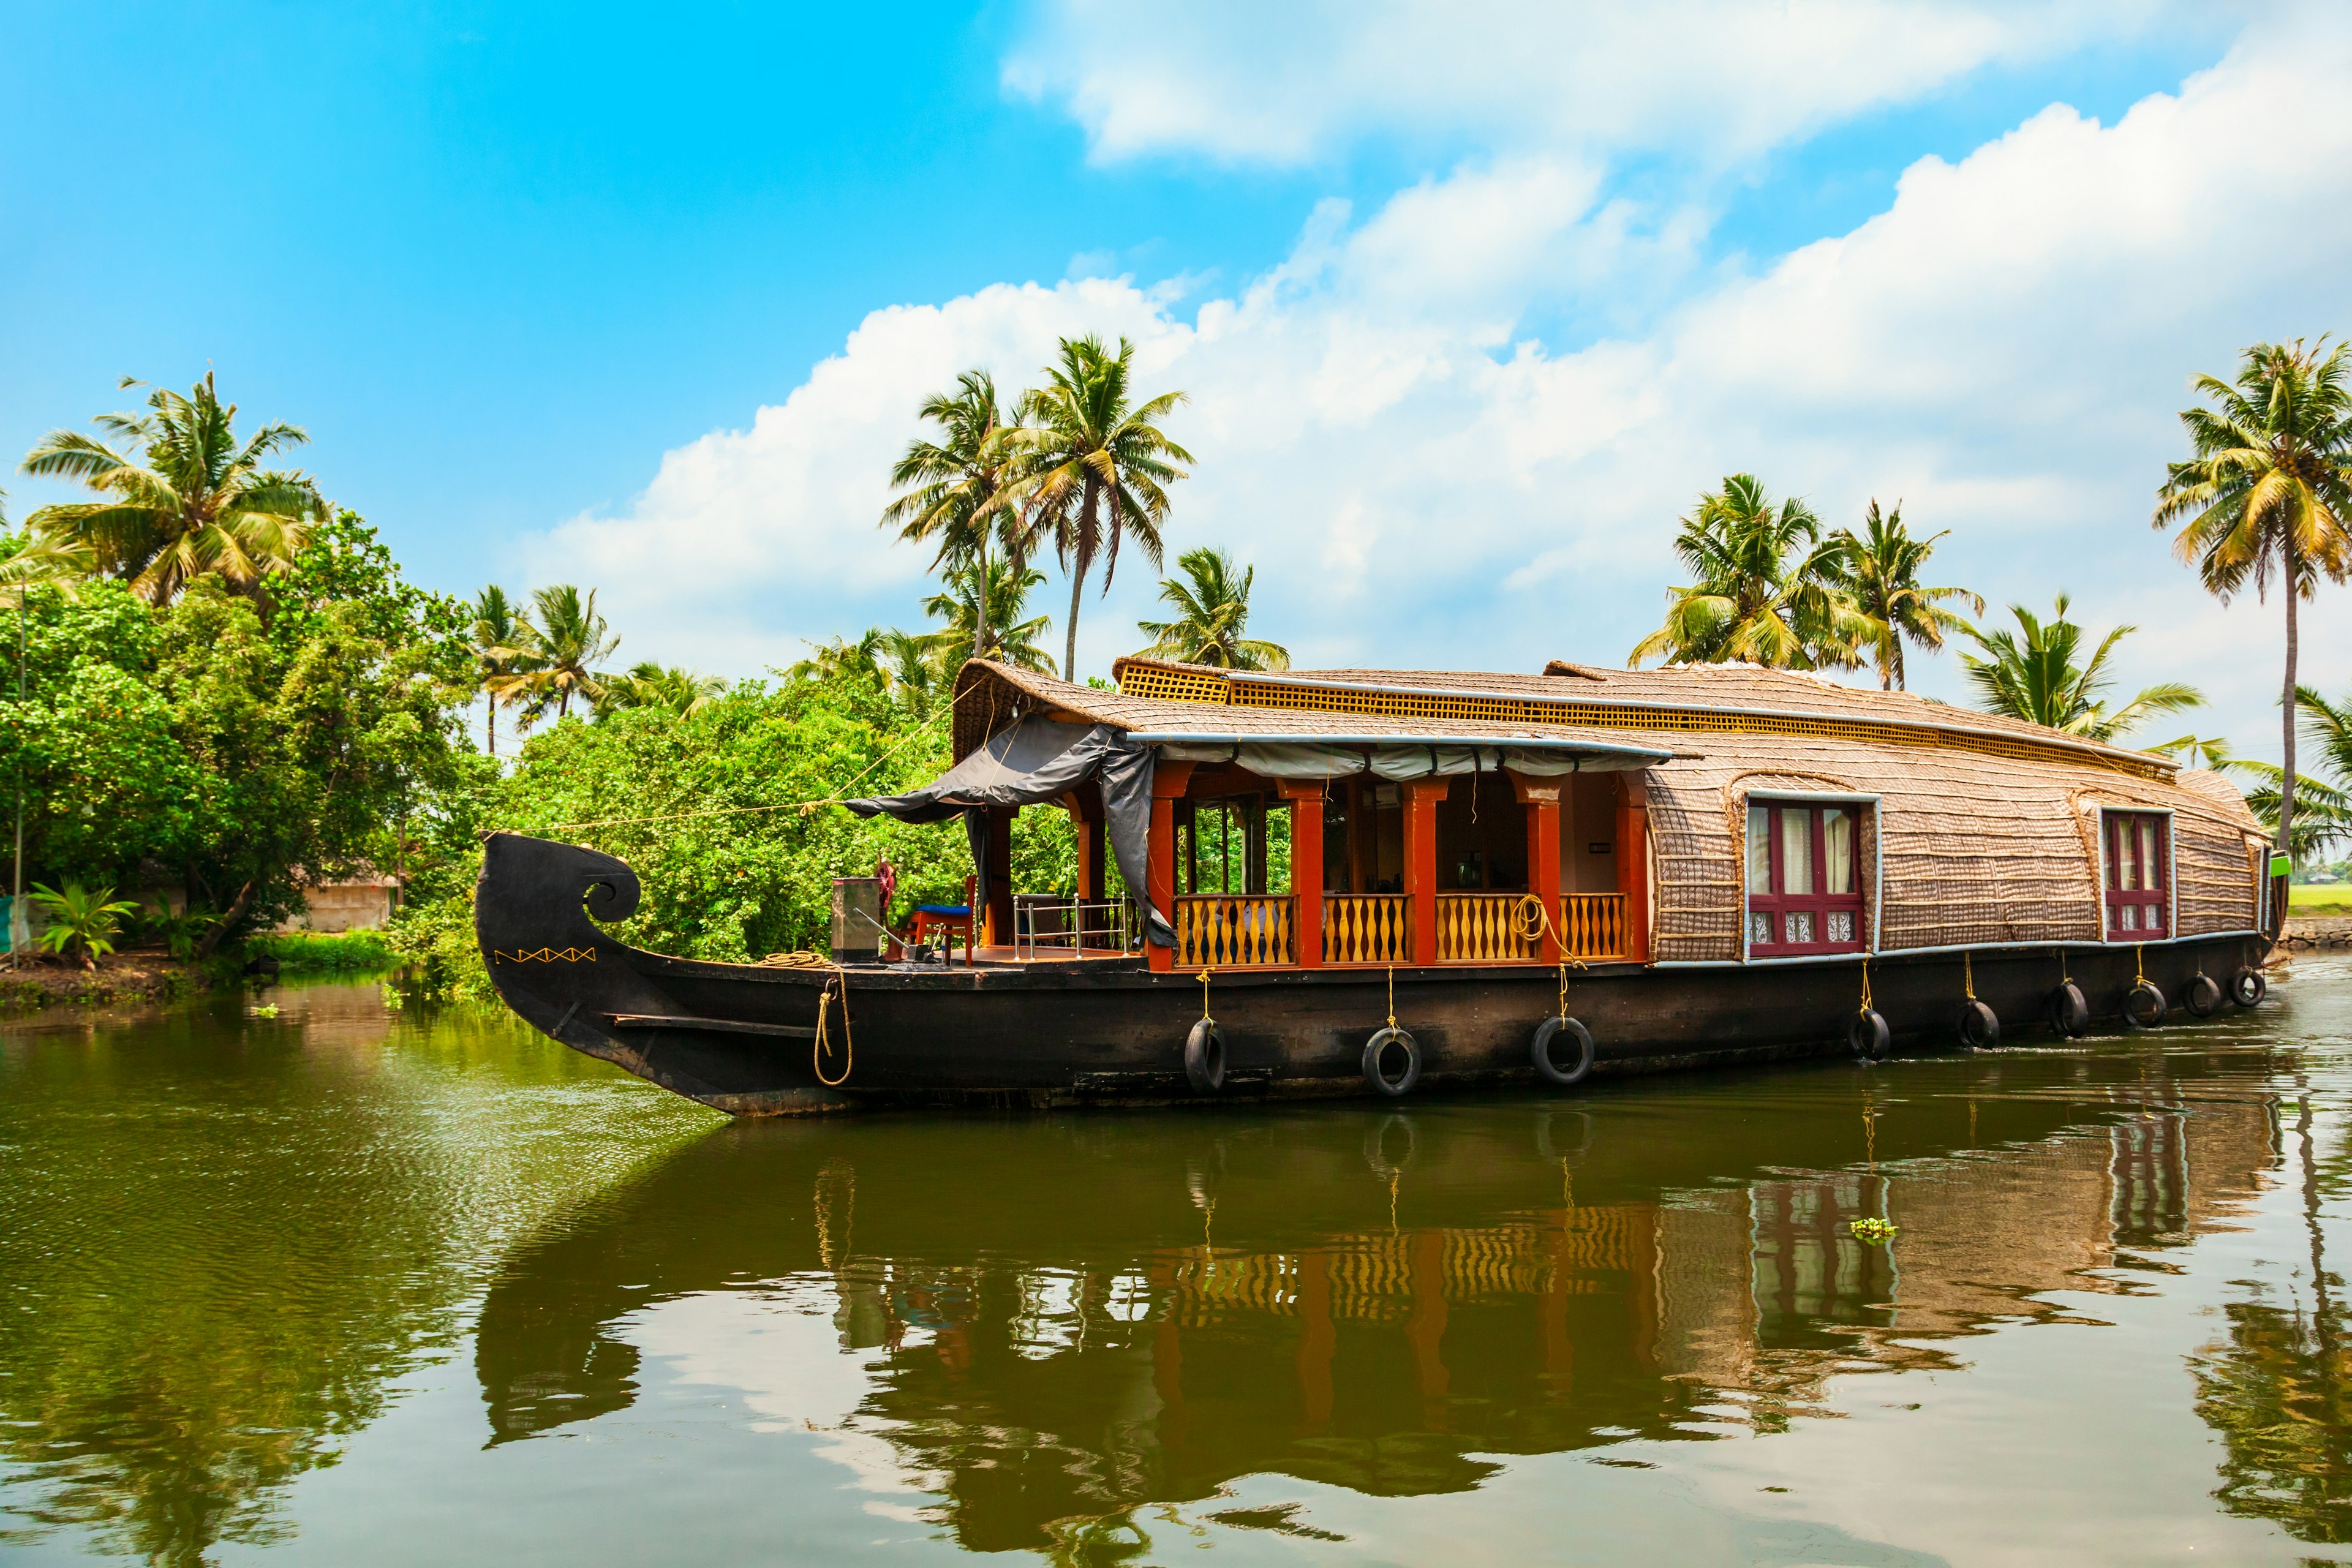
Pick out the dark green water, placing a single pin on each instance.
(355, 1287)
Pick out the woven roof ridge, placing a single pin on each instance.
(1655, 687)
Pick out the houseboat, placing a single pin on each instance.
(1387, 882)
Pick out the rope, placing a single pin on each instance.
(1865, 983)
(2139, 963)
(1968, 974)
(1392, 1023)
(1531, 922)
(804, 960)
(1205, 997)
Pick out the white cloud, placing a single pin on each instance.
(1286, 85)
(2003, 349)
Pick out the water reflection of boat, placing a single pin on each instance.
(1058, 1321)
(1685, 864)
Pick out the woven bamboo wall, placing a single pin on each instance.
(1977, 849)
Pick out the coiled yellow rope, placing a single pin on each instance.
(803, 958)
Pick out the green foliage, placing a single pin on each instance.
(1767, 587)
(83, 924)
(1212, 616)
(553, 659)
(237, 745)
(649, 685)
(1089, 467)
(2037, 675)
(1879, 567)
(183, 500)
(329, 952)
(724, 813)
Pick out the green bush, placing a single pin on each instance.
(351, 952)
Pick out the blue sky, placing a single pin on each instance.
(1471, 300)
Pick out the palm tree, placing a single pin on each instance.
(1212, 612)
(567, 640)
(840, 659)
(961, 606)
(671, 687)
(185, 499)
(951, 489)
(502, 640)
(1881, 568)
(2323, 809)
(2032, 675)
(1769, 588)
(1093, 467)
(2269, 493)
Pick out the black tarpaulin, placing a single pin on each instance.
(1034, 762)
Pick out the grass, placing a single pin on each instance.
(337, 952)
(2335, 898)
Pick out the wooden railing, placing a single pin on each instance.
(1368, 928)
(1481, 928)
(1592, 925)
(1226, 932)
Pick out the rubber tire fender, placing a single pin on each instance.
(2249, 987)
(1375, 1048)
(1540, 1048)
(1869, 1036)
(2142, 988)
(1980, 1026)
(2203, 997)
(1205, 1058)
(2070, 1012)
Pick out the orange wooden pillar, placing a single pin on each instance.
(1539, 798)
(1306, 798)
(1168, 784)
(1633, 863)
(1085, 809)
(1421, 798)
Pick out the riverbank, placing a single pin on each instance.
(2308, 932)
(40, 980)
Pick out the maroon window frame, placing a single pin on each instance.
(1784, 924)
(2135, 856)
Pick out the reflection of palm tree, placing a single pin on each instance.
(1212, 615)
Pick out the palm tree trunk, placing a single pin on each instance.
(2286, 770)
(979, 614)
(1070, 644)
(490, 721)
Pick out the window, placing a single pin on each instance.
(1804, 891)
(2137, 851)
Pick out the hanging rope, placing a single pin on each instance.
(822, 1049)
(1865, 986)
(1392, 1023)
(1204, 996)
(1968, 974)
(1531, 923)
(2139, 963)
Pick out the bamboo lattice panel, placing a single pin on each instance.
(1480, 928)
(1231, 933)
(1368, 928)
(1592, 925)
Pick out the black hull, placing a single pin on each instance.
(741, 1039)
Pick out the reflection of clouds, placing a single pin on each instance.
(779, 1349)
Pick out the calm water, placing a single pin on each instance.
(355, 1287)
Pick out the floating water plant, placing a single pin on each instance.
(266, 1010)
(1875, 1230)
